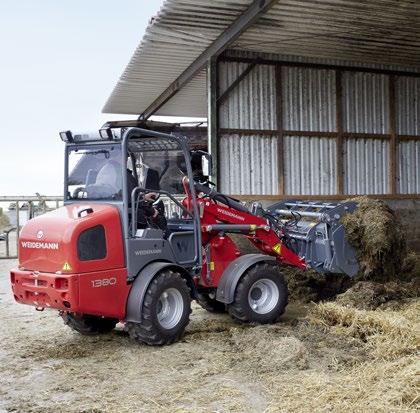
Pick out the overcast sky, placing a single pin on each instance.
(59, 63)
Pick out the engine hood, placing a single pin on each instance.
(49, 243)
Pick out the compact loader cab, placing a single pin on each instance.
(142, 175)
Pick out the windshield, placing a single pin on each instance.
(159, 168)
(95, 173)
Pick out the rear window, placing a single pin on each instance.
(95, 173)
(91, 244)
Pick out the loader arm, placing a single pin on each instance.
(300, 234)
(217, 219)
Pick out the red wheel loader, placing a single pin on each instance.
(143, 232)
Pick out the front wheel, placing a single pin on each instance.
(260, 296)
(165, 312)
(89, 325)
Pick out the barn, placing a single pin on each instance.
(312, 99)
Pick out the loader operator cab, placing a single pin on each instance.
(141, 173)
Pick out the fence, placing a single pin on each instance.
(22, 208)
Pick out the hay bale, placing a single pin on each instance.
(376, 233)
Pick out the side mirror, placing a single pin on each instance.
(206, 164)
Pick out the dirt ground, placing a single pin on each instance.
(304, 363)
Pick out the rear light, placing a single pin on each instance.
(61, 283)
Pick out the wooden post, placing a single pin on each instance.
(392, 173)
(340, 138)
(280, 137)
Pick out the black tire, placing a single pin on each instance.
(89, 325)
(269, 277)
(211, 304)
(151, 330)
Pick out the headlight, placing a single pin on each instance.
(66, 136)
(106, 133)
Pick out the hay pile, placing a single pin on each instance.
(388, 273)
(376, 233)
(384, 381)
(307, 286)
(388, 334)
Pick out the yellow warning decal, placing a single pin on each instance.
(277, 248)
(211, 265)
(66, 267)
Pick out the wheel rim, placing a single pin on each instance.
(263, 296)
(170, 308)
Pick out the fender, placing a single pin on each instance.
(233, 273)
(141, 283)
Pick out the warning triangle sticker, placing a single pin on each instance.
(66, 267)
(277, 248)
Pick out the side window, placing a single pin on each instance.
(91, 244)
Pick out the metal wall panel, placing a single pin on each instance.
(248, 165)
(309, 104)
(366, 164)
(408, 174)
(408, 105)
(366, 103)
(252, 104)
(309, 166)
(308, 99)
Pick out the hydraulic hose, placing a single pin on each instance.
(217, 196)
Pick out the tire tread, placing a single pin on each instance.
(238, 311)
(146, 331)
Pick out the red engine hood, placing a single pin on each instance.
(48, 243)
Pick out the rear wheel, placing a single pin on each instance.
(210, 304)
(260, 296)
(165, 312)
(89, 325)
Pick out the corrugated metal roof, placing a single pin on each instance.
(376, 31)
(173, 40)
(372, 31)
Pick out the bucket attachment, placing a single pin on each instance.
(314, 232)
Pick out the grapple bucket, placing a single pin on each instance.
(313, 231)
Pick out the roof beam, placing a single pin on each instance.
(225, 39)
